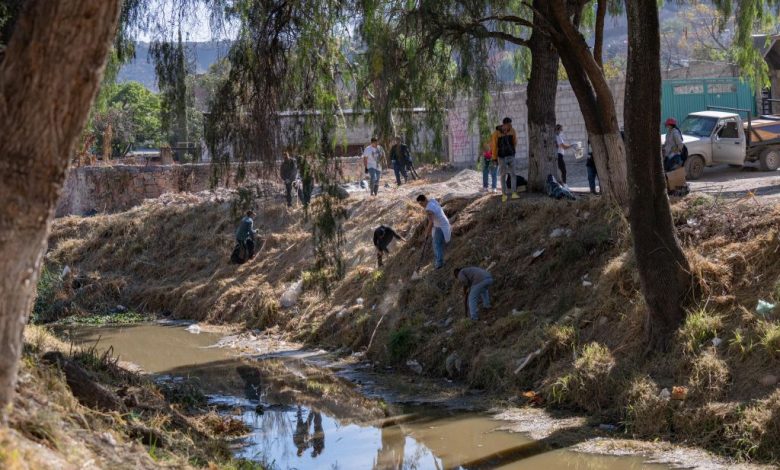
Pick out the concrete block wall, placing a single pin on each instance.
(121, 187)
(465, 143)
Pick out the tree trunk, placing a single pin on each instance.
(594, 97)
(48, 77)
(663, 268)
(541, 92)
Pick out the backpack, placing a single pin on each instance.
(506, 146)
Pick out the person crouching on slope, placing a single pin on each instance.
(383, 235)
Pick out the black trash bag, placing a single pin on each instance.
(556, 191)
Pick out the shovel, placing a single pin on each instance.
(416, 273)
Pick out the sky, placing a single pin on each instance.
(195, 25)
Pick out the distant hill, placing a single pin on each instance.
(142, 69)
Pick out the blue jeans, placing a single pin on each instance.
(438, 247)
(477, 291)
(373, 175)
(399, 169)
(489, 168)
(592, 174)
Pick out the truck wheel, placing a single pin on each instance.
(694, 167)
(769, 160)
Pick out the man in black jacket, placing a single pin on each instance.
(383, 235)
(288, 172)
(398, 154)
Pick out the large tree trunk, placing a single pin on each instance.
(541, 91)
(51, 70)
(663, 268)
(593, 95)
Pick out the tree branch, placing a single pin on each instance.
(598, 46)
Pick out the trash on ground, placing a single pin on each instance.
(764, 308)
(290, 296)
(414, 366)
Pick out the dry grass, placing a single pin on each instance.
(173, 258)
(49, 429)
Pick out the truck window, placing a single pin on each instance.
(729, 130)
(700, 126)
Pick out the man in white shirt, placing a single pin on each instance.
(562, 147)
(439, 226)
(371, 156)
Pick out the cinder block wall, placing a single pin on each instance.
(465, 143)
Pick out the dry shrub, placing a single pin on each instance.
(757, 432)
(592, 384)
(620, 276)
(704, 425)
(700, 326)
(490, 370)
(712, 278)
(647, 414)
(709, 377)
(563, 338)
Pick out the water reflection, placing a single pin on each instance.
(294, 437)
(301, 404)
(303, 439)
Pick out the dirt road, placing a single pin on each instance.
(722, 180)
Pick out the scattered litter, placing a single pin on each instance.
(491, 266)
(587, 284)
(341, 314)
(359, 301)
(119, 309)
(373, 307)
(533, 398)
(448, 322)
(608, 427)
(108, 439)
(414, 366)
(679, 393)
(65, 272)
(194, 329)
(716, 341)
(764, 308)
(560, 232)
(518, 313)
(290, 296)
(537, 253)
(665, 394)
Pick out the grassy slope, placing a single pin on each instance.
(173, 258)
(49, 429)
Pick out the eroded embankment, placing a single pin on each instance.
(565, 286)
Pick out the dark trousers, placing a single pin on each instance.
(562, 167)
(288, 187)
(592, 174)
(399, 169)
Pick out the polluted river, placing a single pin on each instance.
(305, 410)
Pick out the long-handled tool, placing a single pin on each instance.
(416, 273)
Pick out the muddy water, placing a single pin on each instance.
(305, 418)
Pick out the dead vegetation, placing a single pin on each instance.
(565, 288)
(57, 423)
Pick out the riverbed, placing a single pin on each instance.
(304, 416)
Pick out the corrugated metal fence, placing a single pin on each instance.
(681, 97)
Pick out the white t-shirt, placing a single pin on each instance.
(440, 219)
(559, 141)
(372, 154)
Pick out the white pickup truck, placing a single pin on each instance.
(722, 137)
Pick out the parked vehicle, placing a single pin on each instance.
(720, 135)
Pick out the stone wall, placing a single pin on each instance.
(464, 141)
(91, 189)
